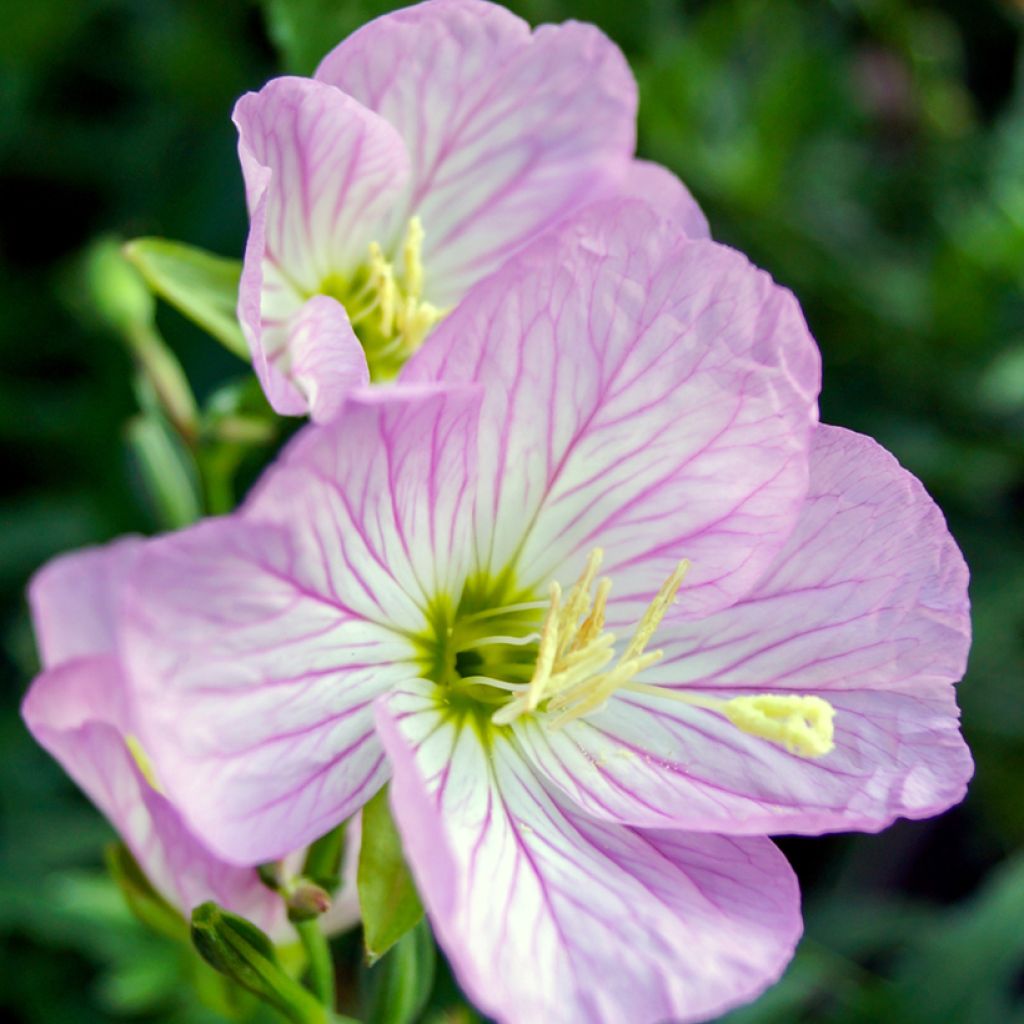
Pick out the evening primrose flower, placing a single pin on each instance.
(607, 606)
(428, 147)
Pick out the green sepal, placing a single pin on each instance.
(400, 984)
(142, 899)
(167, 470)
(245, 954)
(388, 899)
(199, 284)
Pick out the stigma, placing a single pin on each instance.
(577, 671)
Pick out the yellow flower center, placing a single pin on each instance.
(385, 304)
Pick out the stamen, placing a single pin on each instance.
(411, 258)
(386, 305)
(512, 641)
(572, 678)
(490, 613)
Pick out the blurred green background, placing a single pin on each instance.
(870, 154)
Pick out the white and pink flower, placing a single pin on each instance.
(586, 816)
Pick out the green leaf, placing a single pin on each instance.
(143, 900)
(199, 284)
(400, 985)
(388, 899)
(167, 471)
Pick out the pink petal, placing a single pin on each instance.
(507, 132)
(322, 173)
(548, 915)
(326, 359)
(659, 187)
(257, 644)
(646, 394)
(867, 608)
(77, 712)
(73, 598)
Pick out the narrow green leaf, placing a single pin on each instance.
(388, 899)
(199, 284)
(167, 471)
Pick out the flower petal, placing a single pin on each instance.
(507, 131)
(550, 916)
(326, 359)
(866, 608)
(659, 187)
(72, 599)
(257, 644)
(77, 712)
(322, 173)
(647, 394)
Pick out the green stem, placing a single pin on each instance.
(321, 968)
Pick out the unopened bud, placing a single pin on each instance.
(307, 900)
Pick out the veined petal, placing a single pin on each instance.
(73, 601)
(326, 360)
(507, 131)
(646, 394)
(77, 712)
(322, 173)
(548, 915)
(866, 608)
(257, 644)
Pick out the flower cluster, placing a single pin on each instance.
(586, 584)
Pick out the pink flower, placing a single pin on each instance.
(79, 709)
(430, 146)
(584, 776)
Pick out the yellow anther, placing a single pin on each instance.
(800, 723)
(382, 278)
(663, 600)
(547, 650)
(412, 252)
(141, 759)
(386, 306)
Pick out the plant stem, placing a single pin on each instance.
(321, 967)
